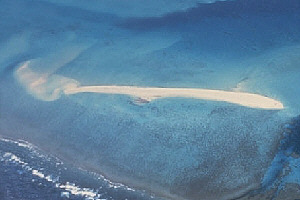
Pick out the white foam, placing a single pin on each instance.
(20, 143)
(70, 187)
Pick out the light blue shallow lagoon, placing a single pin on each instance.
(55, 144)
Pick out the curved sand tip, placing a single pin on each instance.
(148, 93)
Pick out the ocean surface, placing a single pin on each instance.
(28, 173)
(56, 145)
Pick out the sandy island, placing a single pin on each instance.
(150, 93)
(49, 87)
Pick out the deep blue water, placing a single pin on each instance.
(18, 181)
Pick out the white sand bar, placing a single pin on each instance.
(151, 93)
(49, 87)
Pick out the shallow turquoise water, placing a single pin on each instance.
(174, 147)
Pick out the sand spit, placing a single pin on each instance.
(151, 93)
(50, 86)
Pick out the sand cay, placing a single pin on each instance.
(146, 94)
(50, 86)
